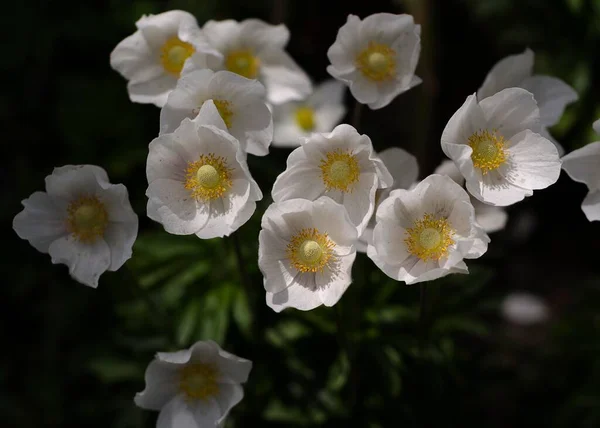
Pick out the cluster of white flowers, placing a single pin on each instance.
(229, 89)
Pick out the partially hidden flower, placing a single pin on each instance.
(496, 145)
(306, 250)
(583, 166)
(376, 57)
(524, 308)
(239, 101)
(198, 179)
(195, 387)
(425, 233)
(342, 165)
(489, 217)
(152, 58)
(320, 112)
(256, 50)
(404, 170)
(552, 94)
(81, 220)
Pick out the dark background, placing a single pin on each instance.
(75, 356)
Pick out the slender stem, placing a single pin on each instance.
(423, 316)
(356, 113)
(345, 345)
(245, 279)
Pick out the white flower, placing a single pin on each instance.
(82, 220)
(489, 217)
(320, 112)
(404, 170)
(198, 180)
(376, 57)
(524, 308)
(341, 165)
(496, 147)
(583, 166)
(596, 126)
(152, 58)
(306, 250)
(424, 233)
(552, 94)
(254, 49)
(240, 103)
(195, 387)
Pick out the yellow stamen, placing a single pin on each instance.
(340, 170)
(377, 62)
(173, 54)
(310, 250)
(243, 62)
(208, 178)
(488, 150)
(305, 118)
(199, 381)
(429, 238)
(87, 218)
(224, 109)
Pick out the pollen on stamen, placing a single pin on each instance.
(198, 381)
(209, 177)
(488, 150)
(305, 118)
(377, 62)
(87, 219)
(430, 238)
(340, 170)
(243, 62)
(310, 250)
(173, 54)
(225, 111)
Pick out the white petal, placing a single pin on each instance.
(70, 182)
(287, 134)
(135, 61)
(386, 27)
(490, 218)
(301, 180)
(263, 36)
(229, 395)
(209, 116)
(157, 28)
(332, 283)
(161, 386)
(552, 96)
(301, 294)
(492, 188)
(544, 133)
(508, 72)
(402, 166)
(254, 124)
(154, 91)
(233, 368)
(328, 116)
(591, 205)
(342, 52)
(283, 78)
(329, 216)
(360, 203)
(176, 414)
(534, 162)
(511, 111)
(330, 92)
(596, 126)
(86, 262)
(462, 217)
(40, 222)
(448, 167)
(388, 243)
(363, 89)
(120, 238)
(465, 122)
(273, 262)
(582, 165)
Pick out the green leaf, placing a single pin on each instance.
(188, 322)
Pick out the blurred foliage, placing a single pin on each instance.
(76, 356)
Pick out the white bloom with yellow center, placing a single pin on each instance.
(81, 220)
(240, 102)
(583, 166)
(425, 233)
(404, 170)
(152, 58)
(198, 179)
(341, 165)
(256, 50)
(320, 112)
(306, 250)
(489, 217)
(195, 387)
(552, 94)
(497, 147)
(376, 57)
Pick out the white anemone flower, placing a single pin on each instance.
(320, 112)
(525, 309)
(341, 165)
(195, 387)
(153, 57)
(81, 220)
(497, 148)
(239, 101)
(583, 166)
(198, 179)
(254, 49)
(376, 57)
(489, 217)
(552, 94)
(404, 170)
(306, 250)
(425, 233)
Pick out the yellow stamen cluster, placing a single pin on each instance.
(429, 238)
(224, 109)
(87, 218)
(488, 150)
(243, 62)
(340, 170)
(199, 381)
(377, 62)
(173, 54)
(310, 250)
(305, 118)
(208, 178)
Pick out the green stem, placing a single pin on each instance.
(423, 316)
